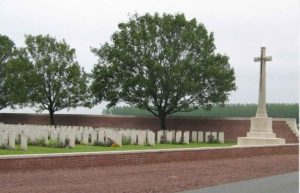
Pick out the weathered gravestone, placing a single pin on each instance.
(194, 136)
(141, 138)
(207, 136)
(85, 138)
(71, 139)
(178, 137)
(150, 137)
(133, 137)
(23, 141)
(186, 137)
(214, 135)
(200, 136)
(159, 135)
(221, 137)
(12, 140)
(169, 136)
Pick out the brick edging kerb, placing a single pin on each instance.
(126, 159)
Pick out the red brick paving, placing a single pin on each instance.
(161, 177)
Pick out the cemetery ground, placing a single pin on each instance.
(159, 177)
(90, 148)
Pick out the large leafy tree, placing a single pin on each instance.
(163, 64)
(7, 49)
(52, 77)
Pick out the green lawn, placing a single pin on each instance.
(88, 148)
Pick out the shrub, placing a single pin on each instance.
(67, 142)
(163, 140)
(216, 141)
(41, 142)
(55, 143)
(52, 142)
(115, 145)
(98, 143)
(108, 143)
(147, 144)
(18, 140)
(211, 139)
(126, 140)
(77, 141)
(5, 146)
(175, 142)
(38, 142)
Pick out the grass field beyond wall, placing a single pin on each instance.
(275, 110)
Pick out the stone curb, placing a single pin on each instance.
(24, 156)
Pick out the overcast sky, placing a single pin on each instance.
(240, 29)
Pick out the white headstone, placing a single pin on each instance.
(141, 138)
(78, 135)
(53, 135)
(62, 138)
(169, 136)
(45, 136)
(173, 135)
(215, 135)
(12, 140)
(85, 138)
(207, 134)
(71, 137)
(178, 137)
(159, 134)
(114, 136)
(151, 137)
(117, 138)
(133, 137)
(23, 140)
(194, 136)
(221, 137)
(101, 136)
(4, 138)
(186, 137)
(200, 136)
(93, 137)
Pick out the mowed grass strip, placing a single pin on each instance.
(89, 148)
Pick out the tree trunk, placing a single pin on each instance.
(52, 121)
(162, 119)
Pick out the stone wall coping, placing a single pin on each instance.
(133, 116)
(137, 151)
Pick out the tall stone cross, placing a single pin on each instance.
(262, 109)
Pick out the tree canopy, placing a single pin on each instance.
(7, 49)
(52, 78)
(163, 64)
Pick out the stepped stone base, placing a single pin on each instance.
(249, 141)
(261, 133)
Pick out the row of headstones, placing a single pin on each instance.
(136, 137)
(185, 137)
(90, 136)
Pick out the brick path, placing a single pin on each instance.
(162, 177)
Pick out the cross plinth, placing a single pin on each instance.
(262, 109)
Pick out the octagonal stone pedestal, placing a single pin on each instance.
(261, 133)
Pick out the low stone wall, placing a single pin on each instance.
(101, 159)
(232, 127)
